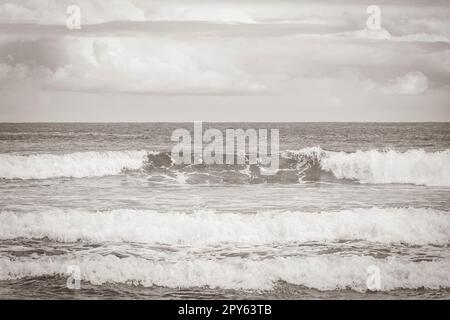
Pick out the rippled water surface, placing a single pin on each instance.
(108, 199)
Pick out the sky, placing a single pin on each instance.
(248, 60)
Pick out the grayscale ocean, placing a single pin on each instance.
(108, 199)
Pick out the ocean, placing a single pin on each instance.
(108, 199)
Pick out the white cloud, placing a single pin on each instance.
(400, 17)
(206, 12)
(423, 37)
(130, 65)
(412, 83)
(381, 34)
(283, 57)
(54, 11)
(12, 12)
(319, 19)
(20, 72)
(178, 65)
(435, 23)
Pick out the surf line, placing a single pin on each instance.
(233, 149)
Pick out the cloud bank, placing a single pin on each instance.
(312, 59)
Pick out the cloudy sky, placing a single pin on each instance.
(247, 60)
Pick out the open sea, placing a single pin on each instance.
(108, 199)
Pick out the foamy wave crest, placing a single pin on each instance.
(326, 272)
(202, 228)
(76, 165)
(373, 166)
(309, 164)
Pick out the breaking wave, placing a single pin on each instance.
(315, 164)
(306, 165)
(412, 226)
(76, 165)
(372, 166)
(326, 272)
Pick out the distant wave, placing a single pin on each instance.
(305, 165)
(9, 135)
(325, 272)
(413, 226)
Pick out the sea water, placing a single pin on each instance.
(108, 199)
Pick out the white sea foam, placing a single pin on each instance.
(77, 165)
(413, 166)
(326, 272)
(384, 225)
(373, 166)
